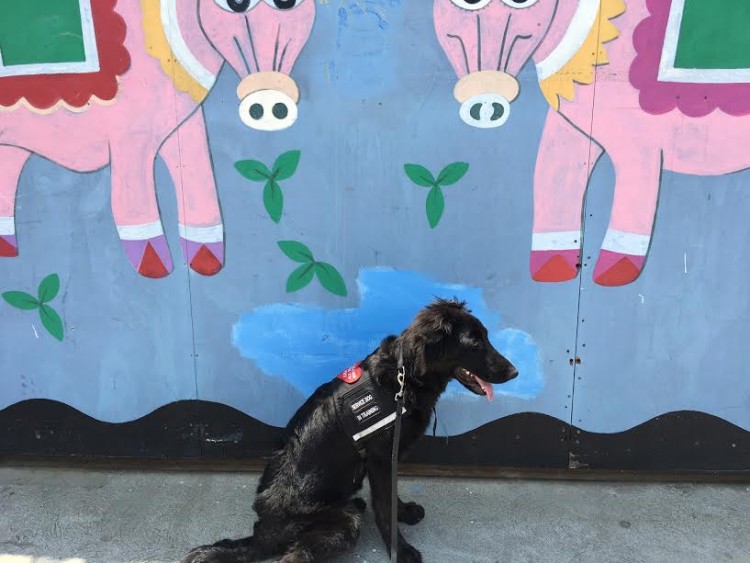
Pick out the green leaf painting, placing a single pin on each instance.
(452, 173)
(253, 170)
(421, 176)
(296, 251)
(283, 168)
(49, 288)
(46, 292)
(273, 199)
(328, 276)
(435, 206)
(286, 165)
(300, 277)
(21, 300)
(51, 321)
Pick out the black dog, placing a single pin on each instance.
(305, 505)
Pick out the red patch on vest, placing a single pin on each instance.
(45, 90)
(352, 374)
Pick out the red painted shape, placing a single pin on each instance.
(555, 269)
(7, 250)
(151, 265)
(622, 272)
(44, 91)
(352, 374)
(205, 263)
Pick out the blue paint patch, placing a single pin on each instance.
(362, 45)
(308, 346)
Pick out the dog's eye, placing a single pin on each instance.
(469, 341)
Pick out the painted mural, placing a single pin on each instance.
(640, 81)
(449, 175)
(48, 289)
(123, 82)
(331, 233)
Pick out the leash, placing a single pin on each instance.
(401, 377)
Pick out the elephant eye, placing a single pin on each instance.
(471, 4)
(520, 3)
(283, 4)
(236, 6)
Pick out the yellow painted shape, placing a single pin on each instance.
(581, 68)
(157, 46)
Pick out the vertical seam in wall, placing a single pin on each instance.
(181, 192)
(189, 281)
(576, 342)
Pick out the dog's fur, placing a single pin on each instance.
(305, 501)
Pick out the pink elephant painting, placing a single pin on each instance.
(124, 83)
(656, 84)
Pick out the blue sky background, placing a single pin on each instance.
(308, 345)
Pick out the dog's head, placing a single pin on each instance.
(446, 341)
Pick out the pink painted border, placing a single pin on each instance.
(694, 100)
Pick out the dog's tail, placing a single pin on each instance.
(245, 550)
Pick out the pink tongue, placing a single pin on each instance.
(486, 387)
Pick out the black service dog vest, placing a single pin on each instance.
(364, 408)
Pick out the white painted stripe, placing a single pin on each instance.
(90, 64)
(181, 51)
(705, 76)
(7, 226)
(202, 234)
(561, 240)
(582, 23)
(626, 243)
(140, 232)
(667, 70)
(671, 37)
(377, 426)
(89, 34)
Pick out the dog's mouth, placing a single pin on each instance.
(474, 383)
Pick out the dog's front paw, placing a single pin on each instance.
(410, 513)
(408, 554)
(205, 554)
(193, 556)
(196, 555)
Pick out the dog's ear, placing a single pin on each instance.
(441, 316)
(414, 350)
(443, 322)
(418, 356)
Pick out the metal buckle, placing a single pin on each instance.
(401, 378)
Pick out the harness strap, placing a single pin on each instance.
(394, 458)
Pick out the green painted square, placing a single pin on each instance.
(41, 31)
(714, 35)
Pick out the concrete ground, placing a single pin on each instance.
(75, 516)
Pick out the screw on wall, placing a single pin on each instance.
(577, 361)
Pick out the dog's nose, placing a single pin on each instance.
(512, 373)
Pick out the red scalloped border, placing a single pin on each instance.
(657, 98)
(45, 91)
